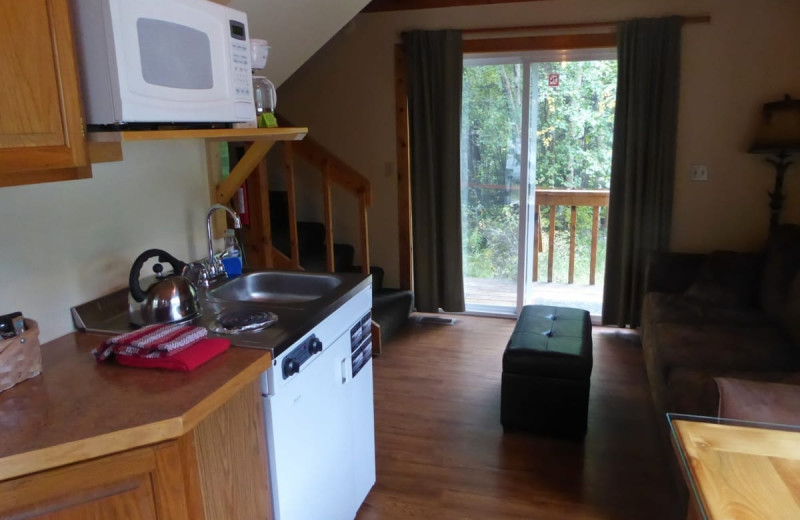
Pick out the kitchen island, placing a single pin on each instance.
(88, 440)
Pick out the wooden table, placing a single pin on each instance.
(739, 470)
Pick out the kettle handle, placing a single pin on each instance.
(133, 280)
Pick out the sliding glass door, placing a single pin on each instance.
(535, 124)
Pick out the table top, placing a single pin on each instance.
(739, 469)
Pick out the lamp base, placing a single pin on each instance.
(781, 164)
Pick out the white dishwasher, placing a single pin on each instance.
(318, 407)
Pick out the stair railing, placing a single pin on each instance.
(334, 171)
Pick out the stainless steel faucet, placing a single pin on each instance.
(213, 267)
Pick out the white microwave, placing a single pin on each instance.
(163, 61)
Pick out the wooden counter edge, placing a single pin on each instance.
(123, 440)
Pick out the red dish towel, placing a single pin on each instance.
(152, 341)
(185, 360)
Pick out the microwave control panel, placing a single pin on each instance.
(240, 57)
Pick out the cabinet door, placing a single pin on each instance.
(41, 124)
(143, 484)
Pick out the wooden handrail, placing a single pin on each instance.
(341, 173)
(595, 199)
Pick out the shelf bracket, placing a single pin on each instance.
(246, 165)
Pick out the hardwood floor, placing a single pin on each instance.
(442, 454)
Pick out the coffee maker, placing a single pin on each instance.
(263, 90)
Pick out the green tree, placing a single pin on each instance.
(574, 131)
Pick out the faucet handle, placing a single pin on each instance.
(197, 273)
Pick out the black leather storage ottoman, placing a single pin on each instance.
(546, 368)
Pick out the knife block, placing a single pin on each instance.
(20, 356)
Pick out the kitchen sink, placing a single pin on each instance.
(279, 288)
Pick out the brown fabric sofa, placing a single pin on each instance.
(724, 314)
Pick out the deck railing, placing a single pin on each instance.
(595, 199)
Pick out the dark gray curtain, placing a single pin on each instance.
(643, 162)
(434, 68)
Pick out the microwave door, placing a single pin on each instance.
(178, 62)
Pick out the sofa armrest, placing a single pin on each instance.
(758, 401)
(671, 272)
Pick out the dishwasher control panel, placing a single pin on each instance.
(292, 363)
(361, 343)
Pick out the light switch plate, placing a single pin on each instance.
(699, 172)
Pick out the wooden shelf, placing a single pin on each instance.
(106, 146)
(220, 134)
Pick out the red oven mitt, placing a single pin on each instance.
(185, 360)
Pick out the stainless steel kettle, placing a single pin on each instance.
(171, 299)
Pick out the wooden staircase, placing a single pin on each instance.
(259, 237)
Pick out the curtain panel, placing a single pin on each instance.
(434, 69)
(643, 160)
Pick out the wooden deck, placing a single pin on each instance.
(503, 293)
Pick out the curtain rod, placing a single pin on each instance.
(687, 19)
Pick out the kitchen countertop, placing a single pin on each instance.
(77, 409)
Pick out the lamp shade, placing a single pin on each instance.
(779, 128)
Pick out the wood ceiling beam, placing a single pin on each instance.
(402, 5)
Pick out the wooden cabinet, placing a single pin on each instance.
(138, 484)
(215, 471)
(41, 127)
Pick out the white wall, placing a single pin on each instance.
(65, 243)
(748, 55)
(295, 29)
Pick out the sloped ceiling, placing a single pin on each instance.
(295, 29)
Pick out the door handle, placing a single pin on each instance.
(344, 368)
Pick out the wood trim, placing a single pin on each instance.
(260, 220)
(340, 172)
(570, 26)
(68, 81)
(218, 134)
(168, 482)
(42, 176)
(281, 261)
(105, 152)
(551, 244)
(192, 487)
(552, 42)
(572, 197)
(328, 211)
(246, 165)
(291, 193)
(537, 242)
(403, 5)
(404, 220)
(363, 220)
(593, 257)
(573, 227)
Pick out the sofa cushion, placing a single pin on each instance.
(781, 265)
(728, 280)
(758, 401)
(722, 348)
(694, 313)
